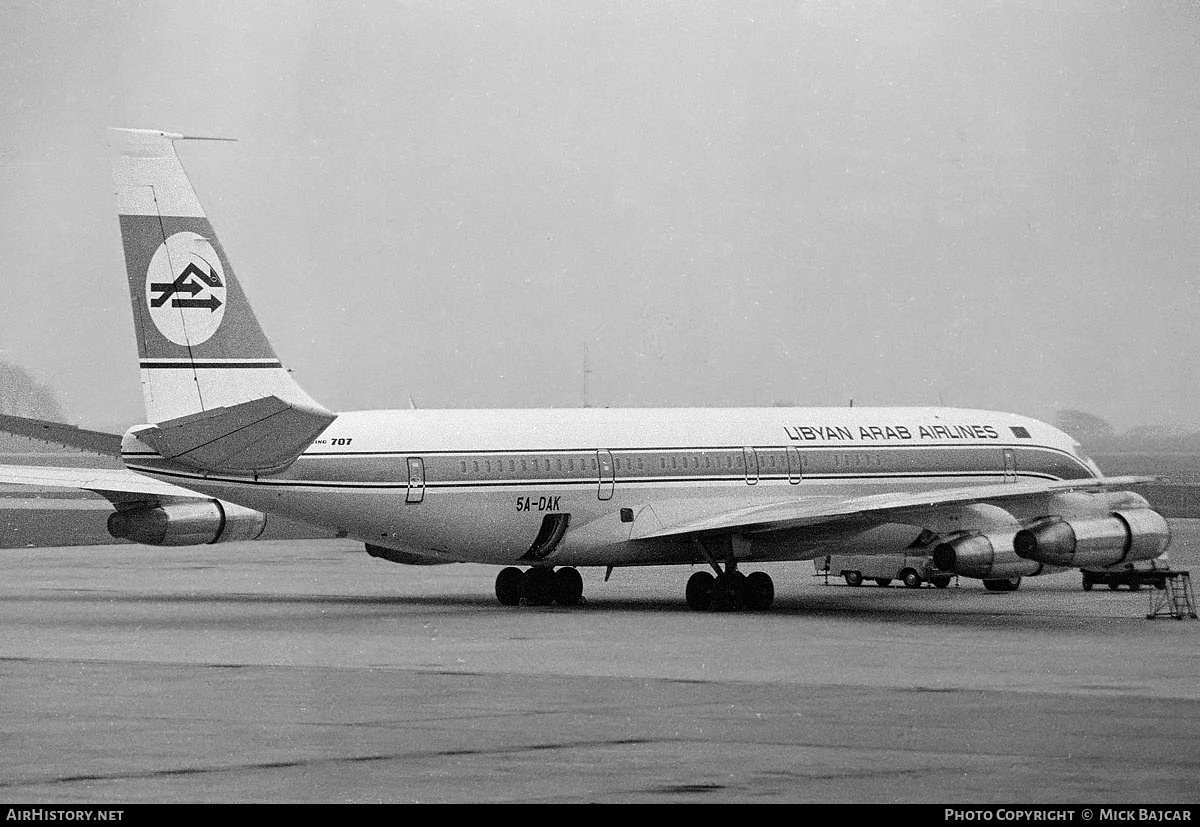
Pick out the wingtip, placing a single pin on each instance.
(170, 136)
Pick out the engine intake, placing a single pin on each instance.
(187, 524)
(977, 555)
(1122, 537)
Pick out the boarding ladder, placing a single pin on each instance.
(1175, 600)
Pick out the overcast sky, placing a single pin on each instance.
(988, 204)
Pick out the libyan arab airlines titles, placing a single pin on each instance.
(887, 433)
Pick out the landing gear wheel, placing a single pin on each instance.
(1087, 583)
(853, 578)
(911, 579)
(537, 586)
(568, 587)
(1007, 585)
(940, 582)
(760, 591)
(699, 591)
(1114, 585)
(729, 592)
(883, 581)
(1134, 586)
(508, 586)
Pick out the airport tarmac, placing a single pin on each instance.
(291, 671)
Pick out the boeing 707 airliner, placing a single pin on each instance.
(231, 438)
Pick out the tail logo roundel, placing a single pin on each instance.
(185, 289)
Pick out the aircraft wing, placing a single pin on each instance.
(890, 507)
(117, 485)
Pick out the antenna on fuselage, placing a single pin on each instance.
(586, 371)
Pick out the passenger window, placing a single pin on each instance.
(463, 465)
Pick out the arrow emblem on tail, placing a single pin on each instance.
(184, 284)
(212, 303)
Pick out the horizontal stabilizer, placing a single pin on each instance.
(261, 435)
(59, 434)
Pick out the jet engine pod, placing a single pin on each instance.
(1122, 537)
(186, 523)
(988, 557)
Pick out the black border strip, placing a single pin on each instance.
(210, 365)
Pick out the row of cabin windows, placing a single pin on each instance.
(711, 461)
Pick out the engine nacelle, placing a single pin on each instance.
(187, 524)
(988, 557)
(1122, 537)
(408, 558)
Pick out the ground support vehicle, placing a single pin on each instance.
(1133, 576)
(913, 570)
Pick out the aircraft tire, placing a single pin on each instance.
(729, 592)
(537, 586)
(568, 586)
(1005, 585)
(883, 581)
(760, 591)
(911, 579)
(508, 586)
(940, 582)
(699, 591)
(853, 578)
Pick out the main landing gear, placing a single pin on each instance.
(539, 586)
(729, 590)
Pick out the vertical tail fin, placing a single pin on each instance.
(199, 343)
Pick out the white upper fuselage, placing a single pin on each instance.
(477, 484)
